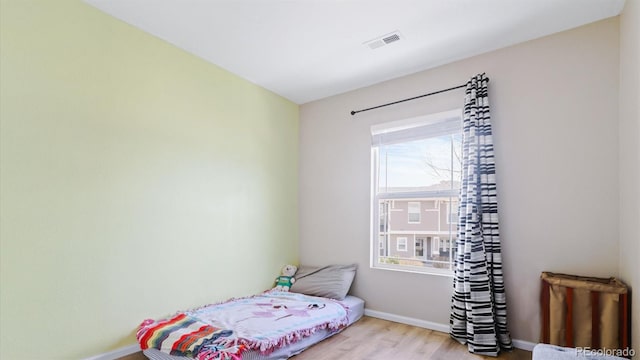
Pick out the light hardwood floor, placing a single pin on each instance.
(372, 339)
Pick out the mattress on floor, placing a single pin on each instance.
(355, 310)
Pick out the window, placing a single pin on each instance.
(402, 244)
(414, 212)
(384, 209)
(416, 165)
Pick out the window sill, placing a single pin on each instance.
(407, 269)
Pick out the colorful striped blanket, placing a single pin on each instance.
(184, 335)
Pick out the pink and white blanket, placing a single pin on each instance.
(274, 319)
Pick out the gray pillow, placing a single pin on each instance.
(331, 281)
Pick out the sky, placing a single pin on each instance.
(407, 164)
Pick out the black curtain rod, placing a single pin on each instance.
(409, 99)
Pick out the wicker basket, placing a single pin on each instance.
(584, 312)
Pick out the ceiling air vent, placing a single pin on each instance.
(383, 40)
(391, 38)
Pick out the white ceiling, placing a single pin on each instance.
(305, 50)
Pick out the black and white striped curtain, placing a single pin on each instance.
(478, 305)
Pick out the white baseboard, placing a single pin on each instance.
(520, 344)
(524, 345)
(407, 320)
(116, 354)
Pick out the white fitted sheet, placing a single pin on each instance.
(355, 311)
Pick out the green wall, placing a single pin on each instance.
(136, 180)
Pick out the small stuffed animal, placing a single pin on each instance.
(285, 280)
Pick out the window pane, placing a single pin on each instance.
(416, 184)
(416, 179)
(428, 244)
(426, 164)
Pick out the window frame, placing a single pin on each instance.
(377, 197)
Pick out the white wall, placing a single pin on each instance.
(554, 107)
(630, 156)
